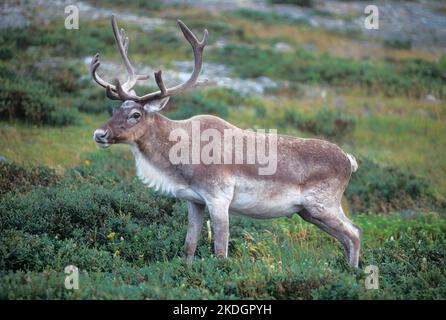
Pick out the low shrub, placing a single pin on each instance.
(24, 251)
(127, 242)
(266, 17)
(301, 3)
(189, 105)
(398, 43)
(61, 78)
(380, 188)
(14, 177)
(230, 97)
(93, 100)
(326, 122)
(29, 101)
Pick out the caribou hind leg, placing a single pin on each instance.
(333, 221)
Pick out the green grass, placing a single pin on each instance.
(56, 147)
(415, 143)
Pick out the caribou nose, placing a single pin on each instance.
(100, 135)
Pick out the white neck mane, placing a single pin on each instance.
(152, 176)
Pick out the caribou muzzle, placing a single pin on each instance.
(102, 138)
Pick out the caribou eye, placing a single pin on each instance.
(135, 115)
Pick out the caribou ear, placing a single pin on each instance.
(156, 105)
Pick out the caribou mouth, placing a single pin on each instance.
(102, 144)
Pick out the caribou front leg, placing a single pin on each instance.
(195, 217)
(219, 212)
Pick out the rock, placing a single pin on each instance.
(13, 17)
(430, 98)
(282, 47)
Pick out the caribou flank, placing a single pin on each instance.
(310, 178)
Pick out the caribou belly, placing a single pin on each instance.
(259, 199)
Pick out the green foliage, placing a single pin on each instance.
(14, 177)
(266, 17)
(228, 96)
(254, 60)
(398, 43)
(442, 62)
(93, 100)
(29, 101)
(413, 78)
(328, 123)
(33, 91)
(302, 3)
(378, 188)
(189, 105)
(260, 110)
(127, 242)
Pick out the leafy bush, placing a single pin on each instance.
(260, 110)
(246, 61)
(86, 208)
(29, 101)
(35, 92)
(61, 78)
(378, 188)
(52, 41)
(326, 122)
(189, 105)
(302, 3)
(127, 242)
(230, 97)
(260, 16)
(14, 177)
(23, 251)
(398, 43)
(93, 100)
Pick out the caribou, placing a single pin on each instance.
(309, 176)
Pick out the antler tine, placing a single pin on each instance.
(160, 83)
(110, 89)
(122, 44)
(125, 41)
(197, 48)
(191, 37)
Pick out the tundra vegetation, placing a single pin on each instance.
(63, 202)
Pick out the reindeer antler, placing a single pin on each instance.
(123, 91)
(122, 42)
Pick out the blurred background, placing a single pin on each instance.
(306, 67)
